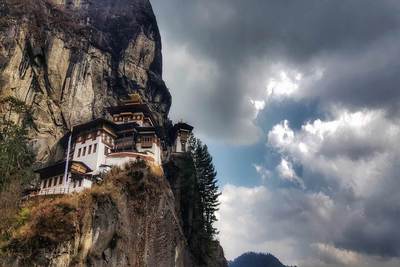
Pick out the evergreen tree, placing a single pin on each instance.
(16, 157)
(206, 180)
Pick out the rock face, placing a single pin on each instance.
(128, 220)
(69, 60)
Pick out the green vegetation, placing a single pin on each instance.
(16, 159)
(46, 222)
(206, 177)
(199, 200)
(16, 156)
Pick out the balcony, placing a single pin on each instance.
(124, 144)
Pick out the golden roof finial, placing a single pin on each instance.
(134, 98)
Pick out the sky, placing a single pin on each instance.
(298, 102)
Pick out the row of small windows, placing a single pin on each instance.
(127, 118)
(82, 151)
(108, 139)
(88, 136)
(52, 181)
(79, 184)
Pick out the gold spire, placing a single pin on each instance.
(134, 98)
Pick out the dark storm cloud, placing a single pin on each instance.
(375, 230)
(367, 78)
(236, 34)
(237, 30)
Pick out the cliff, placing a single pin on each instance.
(128, 220)
(69, 60)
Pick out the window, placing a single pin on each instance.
(49, 183)
(80, 183)
(79, 152)
(55, 181)
(147, 141)
(94, 148)
(183, 146)
(84, 151)
(60, 179)
(74, 184)
(44, 183)
(90, 149)
(106, 151)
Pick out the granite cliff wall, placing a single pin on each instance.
(128, 220)
(69, 60)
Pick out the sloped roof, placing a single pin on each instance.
(183, 125)
(59, 168)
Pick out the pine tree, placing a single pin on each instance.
(16, 156)
(206, 179)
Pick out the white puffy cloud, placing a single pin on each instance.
(351, 148)
(345, 211)
(286, 172)
(264, 173)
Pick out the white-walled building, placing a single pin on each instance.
(182, 133)
(54, 181)
(99, 144)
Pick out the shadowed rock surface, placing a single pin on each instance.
(69, 60)
(128, 220)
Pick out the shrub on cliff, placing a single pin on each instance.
(44, 223)
(16, 159)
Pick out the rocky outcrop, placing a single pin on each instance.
(128, 220)
(180, 173)
(69, 60)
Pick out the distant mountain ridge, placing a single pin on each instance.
(252, 259)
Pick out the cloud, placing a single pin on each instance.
(286, 172)
(350, 145)
(195, 85)
(261, 49)
(264, 173)
(352, 159)
(320, 79)
(331, 254)
(295, 226)
(345, 211)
